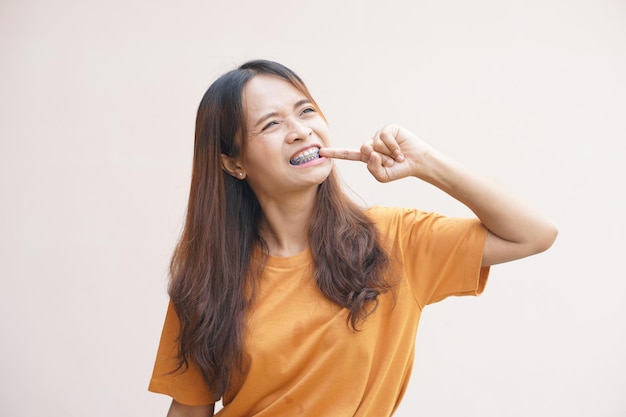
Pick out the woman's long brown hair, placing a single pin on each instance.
(212, 275)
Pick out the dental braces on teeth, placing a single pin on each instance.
(305, 157)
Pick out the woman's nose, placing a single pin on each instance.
(298, 131)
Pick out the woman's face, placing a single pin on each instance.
(284, 134)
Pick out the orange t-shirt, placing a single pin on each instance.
(305, 360)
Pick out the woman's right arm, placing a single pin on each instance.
(181, 410)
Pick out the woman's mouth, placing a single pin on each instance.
(306, 156)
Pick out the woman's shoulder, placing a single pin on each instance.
(385, 213)
(396, 221)
(388, 219)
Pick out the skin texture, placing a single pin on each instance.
(281, 124)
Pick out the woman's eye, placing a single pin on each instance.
(270, 124)
(308, 110)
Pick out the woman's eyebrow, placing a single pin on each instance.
(264, 118)
(301, 102)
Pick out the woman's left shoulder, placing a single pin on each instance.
(384, 213)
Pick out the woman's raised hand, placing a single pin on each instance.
(392, 153)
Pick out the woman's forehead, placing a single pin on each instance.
(269, 92)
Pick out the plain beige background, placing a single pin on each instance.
(97, 108)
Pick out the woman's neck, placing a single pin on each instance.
(285, 224)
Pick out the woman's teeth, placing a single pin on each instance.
(306, 156)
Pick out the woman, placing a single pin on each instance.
(286, 297)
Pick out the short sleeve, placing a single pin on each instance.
(441, 256)
(186, 387)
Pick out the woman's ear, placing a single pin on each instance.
(232, 167)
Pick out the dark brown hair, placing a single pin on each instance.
(212, 273)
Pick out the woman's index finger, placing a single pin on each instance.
(340, 153)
